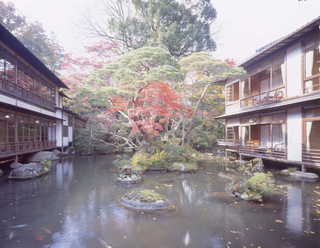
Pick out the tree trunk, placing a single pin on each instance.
(203, 94)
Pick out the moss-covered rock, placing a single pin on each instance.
(254, 188)
(183, 167)
(31, 170)
(145, 199)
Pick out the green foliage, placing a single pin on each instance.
(181, 27)
(158, 160)
(174, 152)
(205, 134)
(261, 183)
(137, 68)
(206, 69)
(140, 160)
(93, 139)
(145, 195)
(254, 188)
(46, 164)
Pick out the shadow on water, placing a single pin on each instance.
(76, 206)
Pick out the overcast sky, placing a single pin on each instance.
(242, 26)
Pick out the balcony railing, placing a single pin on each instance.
(268, 97)
(228, 142)
(277, 152)
(15, 148)
(15, 90)
(310, 155)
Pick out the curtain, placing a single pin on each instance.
(278, 136)
(265, 136)
(308, 132)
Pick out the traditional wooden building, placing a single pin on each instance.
(32, 116)
(273, 112)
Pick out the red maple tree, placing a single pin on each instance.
(155, 106)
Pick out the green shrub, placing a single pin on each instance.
(260, 184)
(140, 160)
(159, 160)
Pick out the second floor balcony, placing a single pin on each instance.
(16, 91)
(265, 86)
(267, 97)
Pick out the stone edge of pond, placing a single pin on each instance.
(299, 175)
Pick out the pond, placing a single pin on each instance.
(76, 206)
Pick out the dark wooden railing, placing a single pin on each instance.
(253, 150)
(310, 155)
(228, 142)
(16, 148)
(277, 153)
(15, 90)
(268, 97)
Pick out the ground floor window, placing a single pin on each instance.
(312, 130)
(232, 133)
(19, 131)
(264, 131)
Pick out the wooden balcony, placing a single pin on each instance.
(310, 155)
(12, 149)
(264, 98)
(14, 90)
(254, 150)
(228, 142)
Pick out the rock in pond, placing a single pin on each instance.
(300, 175)
(254, 188)
(183, 167)
(15, 165)
(145, 200)
(28, 171)
(129, 178)
(44, 155)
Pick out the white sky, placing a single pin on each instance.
(242, 26)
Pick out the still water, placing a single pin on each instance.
(76, 206)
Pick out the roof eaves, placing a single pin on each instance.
(282, 42)
(13, 43)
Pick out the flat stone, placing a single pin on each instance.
(15, 165)
(304, 175)
(132, 178)
(44, 155)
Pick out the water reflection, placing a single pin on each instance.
(76, 205)
(294, 209)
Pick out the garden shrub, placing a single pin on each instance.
(159, 160)
(140, 160)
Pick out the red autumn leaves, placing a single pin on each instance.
(155, 106)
